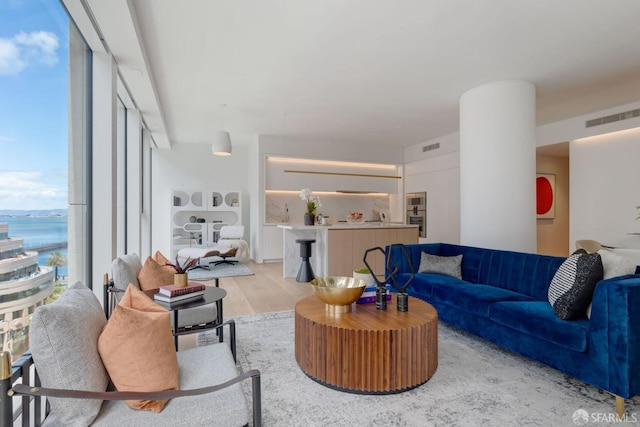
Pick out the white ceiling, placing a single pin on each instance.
(362, 71)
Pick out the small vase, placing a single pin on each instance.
(309, 219)
(180, 279)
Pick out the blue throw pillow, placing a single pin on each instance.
(572, 286)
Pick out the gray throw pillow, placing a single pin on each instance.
(63, 337)
(125, 270)
(571, 288)
(446, 265)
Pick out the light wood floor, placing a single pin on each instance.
(263, 292)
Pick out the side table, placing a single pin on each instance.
(367, 351)
(211, 295)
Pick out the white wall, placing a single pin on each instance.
(605, 188)
(438, 173)
(193, 166)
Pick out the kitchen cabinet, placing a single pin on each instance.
(272, 243)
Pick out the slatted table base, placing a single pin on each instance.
(367, 350)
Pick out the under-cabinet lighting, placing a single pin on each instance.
(296, 161)
(329, 193)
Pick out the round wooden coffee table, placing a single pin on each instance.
(367, 350)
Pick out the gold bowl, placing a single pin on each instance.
(338, 292)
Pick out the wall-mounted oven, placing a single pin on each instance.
(417, 211)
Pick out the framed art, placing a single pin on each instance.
(545, 196)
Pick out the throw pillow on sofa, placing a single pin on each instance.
(572, 286)
(446, 265)
(137, 348)
(153, 275)
(614, 266)
(62, 338)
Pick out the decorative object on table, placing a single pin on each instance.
(178, 298)
(369, 295)
(381, 290)
(403, 297)
(545, 196)
(174, 291)
(338, 292)
(181, 277)
(364, 273)
(355, 218)
(313, 203)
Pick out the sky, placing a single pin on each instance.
(33, 104)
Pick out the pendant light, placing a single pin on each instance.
(221, 140)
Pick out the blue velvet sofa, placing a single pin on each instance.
(502, 298)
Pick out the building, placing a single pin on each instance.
(24, 285)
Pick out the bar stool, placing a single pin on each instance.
(305, 273)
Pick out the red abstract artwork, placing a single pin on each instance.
(546, 196)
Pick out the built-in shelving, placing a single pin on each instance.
(198, 215)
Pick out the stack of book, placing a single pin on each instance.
(171, 293)
(369, 295)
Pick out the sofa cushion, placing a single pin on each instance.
(572, 286)
(62, 338)
(199, 367)
(125, 270)
(537, 318)
(137, 348)
(423, 283)
(474, 298)
(445, 265)
(154, 275)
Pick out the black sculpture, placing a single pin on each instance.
(381, 290)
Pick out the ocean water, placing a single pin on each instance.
(39, 230)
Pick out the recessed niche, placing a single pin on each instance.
(232, 199)
(216, 199)
(180, 198)
(196, 199)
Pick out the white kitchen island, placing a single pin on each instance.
(339, 248)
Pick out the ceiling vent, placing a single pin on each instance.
(612, 118)
(430, 147)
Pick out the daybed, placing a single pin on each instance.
(502, 296)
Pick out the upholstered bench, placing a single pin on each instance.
(64, 340)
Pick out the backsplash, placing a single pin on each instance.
(336, 206)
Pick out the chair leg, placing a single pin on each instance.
(225, 261)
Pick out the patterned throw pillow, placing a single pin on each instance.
(572, 286)
(446, 265)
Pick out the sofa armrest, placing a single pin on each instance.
(615, 328)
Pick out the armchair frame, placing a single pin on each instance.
(21, 379)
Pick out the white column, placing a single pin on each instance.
(134, 181)
(497, 166)
(104, 200)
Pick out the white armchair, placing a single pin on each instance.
(230, 244)
(231, 237)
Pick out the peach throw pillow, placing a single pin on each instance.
(137, 349)
(153, 275)
(163, 261)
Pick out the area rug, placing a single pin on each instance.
(476, 384)
(219, 271)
